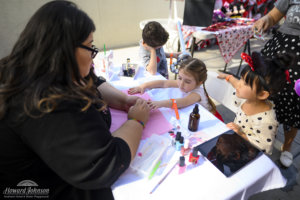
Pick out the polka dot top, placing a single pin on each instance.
(260, 128)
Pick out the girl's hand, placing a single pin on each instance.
(140, 111)
(136, 90)
(154, 104)
(222, 75)
(236, 128)
(147, 47)
(175, 55)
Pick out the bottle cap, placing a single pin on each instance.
(196, 109)
(195, 152)
(181, 140)
(181, 161)
(178, 135)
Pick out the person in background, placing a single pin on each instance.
(191, 80)
(255, 117)
(285, 41)
(151, 50)
(54, 115)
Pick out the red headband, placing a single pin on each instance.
(248, 60)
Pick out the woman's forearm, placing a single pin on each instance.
(114, 97)
(131, 133)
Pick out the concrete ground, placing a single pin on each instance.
(214, 62)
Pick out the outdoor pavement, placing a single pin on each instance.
(212, 58)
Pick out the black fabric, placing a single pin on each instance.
(198, 12)
(287, 102)
(70, 152)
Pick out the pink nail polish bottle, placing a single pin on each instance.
(181, 165)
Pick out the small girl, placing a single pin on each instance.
(191, 77)
(255, 118)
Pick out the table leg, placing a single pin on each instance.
(247, 47)
(193, 46)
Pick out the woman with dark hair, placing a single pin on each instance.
(54, 119)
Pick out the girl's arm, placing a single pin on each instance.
(153, 84)
(229, 78)
(152, 65)
(175, 55)
(236, 128)
(181, 102)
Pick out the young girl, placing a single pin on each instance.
(255, 118)
(191, 77)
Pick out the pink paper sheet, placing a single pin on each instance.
(157, 123)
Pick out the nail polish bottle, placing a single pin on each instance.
(194, 119)
(194, 157)
(177, 138)
(179, 143)
(186, 148)
(182, 165)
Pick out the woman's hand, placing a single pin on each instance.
(139, 111)
(130, 101)
(262, 24)
(136, 90)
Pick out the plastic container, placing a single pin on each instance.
(150, 154)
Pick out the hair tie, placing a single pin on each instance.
(287, 76)
(248, 60)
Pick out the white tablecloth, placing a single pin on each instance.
(204, 181)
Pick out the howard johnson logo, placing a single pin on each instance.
(26, 189)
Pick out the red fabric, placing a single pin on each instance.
(218, 115)
(157, 59)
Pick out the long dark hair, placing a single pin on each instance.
(268, 74)
(42, 65)
(198, 70)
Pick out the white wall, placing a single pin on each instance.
(117, 21)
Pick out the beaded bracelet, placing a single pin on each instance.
(142, 123)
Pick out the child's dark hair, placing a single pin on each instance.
(198, 70)
(269, 73)
(154, 34)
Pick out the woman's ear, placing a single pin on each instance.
(263, 95)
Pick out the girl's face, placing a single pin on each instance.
(244, 91)
(186, 82)
(84, 56)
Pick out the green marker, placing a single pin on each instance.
(154, 169)
(104, 49)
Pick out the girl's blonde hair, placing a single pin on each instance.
(198, 70)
